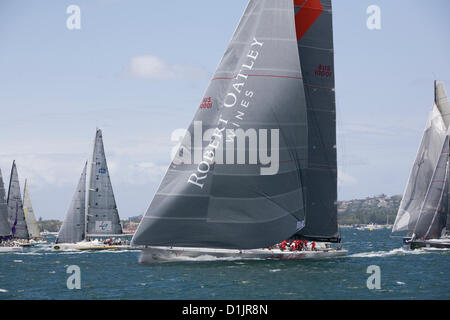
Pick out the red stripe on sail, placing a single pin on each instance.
(307, 15)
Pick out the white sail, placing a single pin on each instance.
(421, 173)
(442, 102)
(102, 215)
(5, 228)
(30, 218)
(73, 227)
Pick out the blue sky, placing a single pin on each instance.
(58, 85)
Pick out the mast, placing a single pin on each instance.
(16, 216)
(30, 217)
(5, 227)
(73, 227)
(102, 216)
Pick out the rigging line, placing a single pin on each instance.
(291, 152)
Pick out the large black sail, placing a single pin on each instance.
(5, 228)
(16, 216)
(73, 227)
(217, 201)
(313, 19)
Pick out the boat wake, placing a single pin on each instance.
(204, 258)
(395, 252)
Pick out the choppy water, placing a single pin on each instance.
(41, 274)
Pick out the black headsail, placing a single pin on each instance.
(313, 19)
(242, 184)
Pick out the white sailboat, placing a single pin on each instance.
(96, 217)
(6, 245)
(30, 218)
(277, 77)
(424, 211)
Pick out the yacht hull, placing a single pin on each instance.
(87, 246)
(172, 254)
(432, 243)
(10, 249)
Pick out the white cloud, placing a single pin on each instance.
(154, 68)
(345, 179)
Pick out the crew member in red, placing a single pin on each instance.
(313, 246)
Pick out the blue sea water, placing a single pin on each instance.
(39, 273)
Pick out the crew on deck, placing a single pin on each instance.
(295, 245)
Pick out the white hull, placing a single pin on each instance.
(87, 246)
(171, 254)
(10, 249)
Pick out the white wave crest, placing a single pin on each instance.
(394, 252)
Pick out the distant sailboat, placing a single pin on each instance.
(424, 210)
(5, 227)
(276, 76)
(16, 216)
(102, 217)
(96, 217)
(30, 218)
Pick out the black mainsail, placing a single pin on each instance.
(275, 84)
